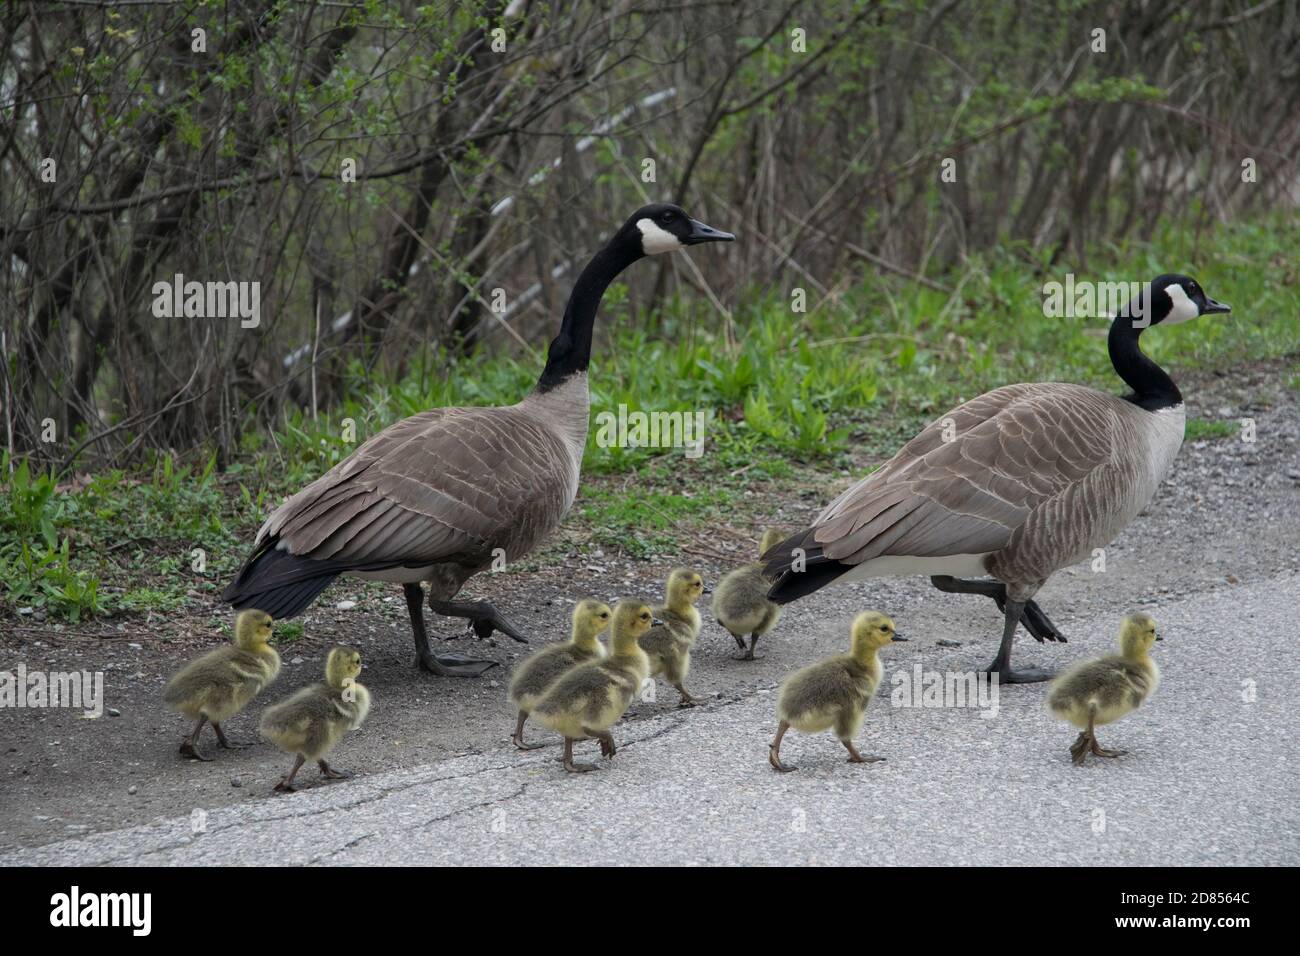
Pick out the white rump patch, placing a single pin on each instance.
(655, 240)
(897, 565)
(1184, 309)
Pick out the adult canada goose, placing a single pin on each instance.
(1017, 483)
(1104, 690)
(435, 497)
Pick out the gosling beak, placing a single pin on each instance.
(705, 589)
(1159, 638)
(899, 637)
(1212, 308)
(655, 622)
(702, 233)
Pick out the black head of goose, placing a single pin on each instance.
(439, 496)
(1016, 484)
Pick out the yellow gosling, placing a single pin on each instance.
(220, 684)
(589, 699)
(538, 672)
(834, 693)
(312, 721)
(1102, 691)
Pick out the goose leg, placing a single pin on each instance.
(518, 736)
(448, 665)
(226, 744)
(774, 750)
(607, 748)
(749, 654)
(1035, 621)
(855, 757)
(188, 748)
(286, 782)
(1002, 663)
(569, 765)
(483, 617)
(330, 773)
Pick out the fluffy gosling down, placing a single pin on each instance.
(535, 675)
(740, 601)
(312, 721)
(834, 693)
(1102, 691)
(221, 683)
(587, 700)
(668, 644)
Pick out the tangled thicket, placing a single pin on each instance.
(495, 143)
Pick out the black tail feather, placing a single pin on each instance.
(814, 569)
(279, 583)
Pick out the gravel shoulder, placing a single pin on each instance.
(1211, 779)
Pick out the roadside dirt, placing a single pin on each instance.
(1230, 513)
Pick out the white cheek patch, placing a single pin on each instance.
(1184, 309)
(655, 240)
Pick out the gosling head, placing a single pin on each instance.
(590, 617)
(252, 629)
(662, 227)
(342, 664)
(1172, 300)
(771, 538)
(1137, 634)
(631, 620)
(872, 631)
(684, 587)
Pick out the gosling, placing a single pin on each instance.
(1102, 691)
(668, 645)
(587, 700)
(221, 683)
(312, 721)
(539, 671)
(834, 693)
(740, 601)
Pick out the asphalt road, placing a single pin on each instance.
(1211, 778)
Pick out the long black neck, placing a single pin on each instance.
(1153, 389)
(570, 351)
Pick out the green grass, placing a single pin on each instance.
(827, 389)
(1199, 428)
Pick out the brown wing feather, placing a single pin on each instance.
(1012, 450)
(417, 492)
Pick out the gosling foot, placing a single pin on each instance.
(224, 742)
(284, 786)
(330, 773)
(521, 744)
(189, 750)
(569, 765)
(774, 758)
(1102, 752)
(855, 757)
